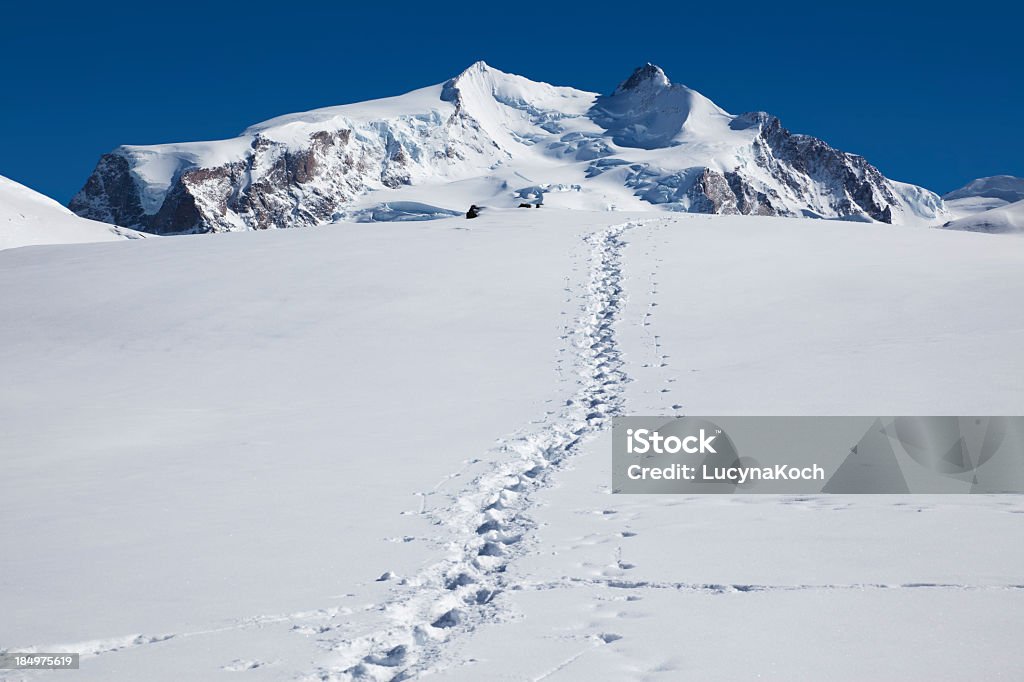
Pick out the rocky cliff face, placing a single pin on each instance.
(273, 183)
(266, 187)
(651, 141)
(806, 168)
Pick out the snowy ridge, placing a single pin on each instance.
(459, 593)
(486, 137)
(1005, 187)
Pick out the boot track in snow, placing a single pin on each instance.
(489, 517)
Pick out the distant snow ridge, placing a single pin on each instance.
(1005, 187)
(484, 137)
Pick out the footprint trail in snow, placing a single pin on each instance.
(489, 517)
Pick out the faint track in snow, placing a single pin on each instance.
(96, 647)
(563, 665)
(489, 517)
(747, 588)
(109, 645)
(86, 649)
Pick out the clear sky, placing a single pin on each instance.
(929, 96)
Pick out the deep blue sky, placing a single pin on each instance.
(929, 98)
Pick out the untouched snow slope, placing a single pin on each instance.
(487, 137)
(381, 450)
(28, 217)
(968, 206)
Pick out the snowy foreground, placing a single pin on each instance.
(369, 451)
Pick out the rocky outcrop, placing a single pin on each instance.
(805, 165)
(277, 180)
(272, 185)
(110, 194)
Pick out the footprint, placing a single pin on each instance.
(392, 657)
(448, 619)
(239, 665)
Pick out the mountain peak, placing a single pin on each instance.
(648, 74)
(649, 111)
(478, 65)
(477, 71)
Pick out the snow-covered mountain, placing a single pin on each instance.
(489, 137)
(27, 218)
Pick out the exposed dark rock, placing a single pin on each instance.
(272, 186)
(644, 74)
(853, 185)
(110, 195)
(710, 193)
